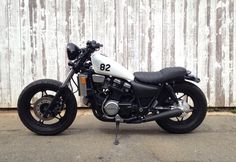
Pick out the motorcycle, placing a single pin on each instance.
(169, 97)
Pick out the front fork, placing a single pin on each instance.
(59, 92)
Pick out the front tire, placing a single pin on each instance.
(33, 102)
(199, 109)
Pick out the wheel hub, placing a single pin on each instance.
(41, 106)
(184, 106)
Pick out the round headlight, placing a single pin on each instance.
(72, 51)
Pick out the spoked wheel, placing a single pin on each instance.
(33, 104)
(193, 102)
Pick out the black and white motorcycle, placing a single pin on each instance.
(169, 97)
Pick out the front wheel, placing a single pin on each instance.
(193, 96)
(34, 101)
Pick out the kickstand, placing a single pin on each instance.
(116, 142)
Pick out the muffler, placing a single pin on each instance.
(168, 114)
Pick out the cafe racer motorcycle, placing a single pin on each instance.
(169, 97)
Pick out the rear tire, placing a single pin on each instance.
(38, 125)
(198, 113)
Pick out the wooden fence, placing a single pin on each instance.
(143, 35)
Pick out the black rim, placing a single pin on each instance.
(56, 118)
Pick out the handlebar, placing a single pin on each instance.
(85, 54)
(93, 44)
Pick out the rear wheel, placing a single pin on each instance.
(192, 97)
(34, 101)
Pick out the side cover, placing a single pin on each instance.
(106, 66)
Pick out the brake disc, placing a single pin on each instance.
(41, 105)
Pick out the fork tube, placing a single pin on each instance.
(70, 75)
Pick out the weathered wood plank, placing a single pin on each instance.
(81, 20)
(120, 30)
(14, 50)
(110, 28)
(124, 7)
(5, 55)
(220, 12)
(202, 44)
(185, 31)
(43, 37)
(61, 40)
(226, 53)
(156, 35)
(233, 103)
(212, 50)
(168, 23)
(51, 40)
(133, 35)
(99, 24)
(145, 37)
(191, 36)
(231, 50)
(179, 33)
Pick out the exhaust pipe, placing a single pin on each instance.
(164, 115)
(168, 114)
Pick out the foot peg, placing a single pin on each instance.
(118, 120)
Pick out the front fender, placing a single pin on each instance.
(191, 77)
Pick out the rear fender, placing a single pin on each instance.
(191, 77)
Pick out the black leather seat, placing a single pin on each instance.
(164, 75)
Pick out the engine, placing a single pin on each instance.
(111, 107)
(113, 95)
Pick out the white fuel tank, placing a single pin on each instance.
(106, 66)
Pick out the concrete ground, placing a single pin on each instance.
(91, 140)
